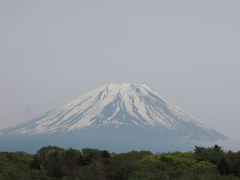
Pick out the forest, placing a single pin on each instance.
(55, 163)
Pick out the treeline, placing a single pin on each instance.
(54, 163)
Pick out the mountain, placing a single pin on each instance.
(118, 117)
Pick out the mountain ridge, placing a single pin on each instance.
(122, 108)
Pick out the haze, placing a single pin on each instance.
(54, 51)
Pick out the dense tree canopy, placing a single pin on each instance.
(52, 163)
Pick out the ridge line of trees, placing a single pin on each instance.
(55, 163)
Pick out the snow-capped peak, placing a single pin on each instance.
(114, 104)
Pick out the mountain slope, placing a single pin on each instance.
(122, 108)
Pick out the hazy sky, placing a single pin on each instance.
(188, 51)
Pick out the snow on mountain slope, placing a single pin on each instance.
(116, 105)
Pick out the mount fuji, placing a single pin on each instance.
(118, 117)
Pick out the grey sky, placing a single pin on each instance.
(187, 51)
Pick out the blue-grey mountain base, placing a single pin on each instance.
(118, 117)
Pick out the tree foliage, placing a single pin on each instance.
(53, 163)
